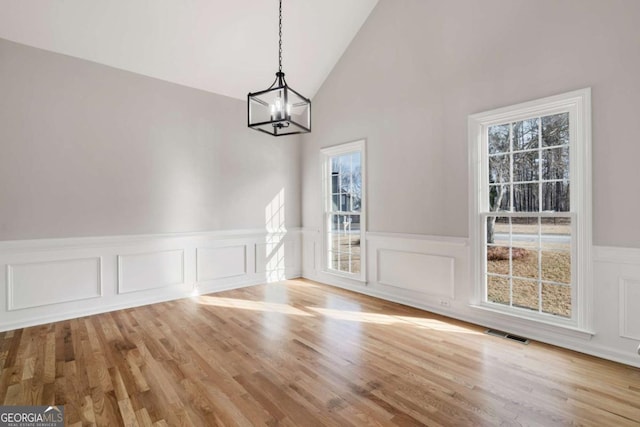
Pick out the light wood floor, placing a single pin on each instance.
(303, 354)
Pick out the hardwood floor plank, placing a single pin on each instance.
(29, 368)
(49, 374)
(128, 415)
(298, 353)
(12, 340)
(139, 379)
(144, 420)
(13, 395)
(105, 408)
(32, 392)
(88, 414)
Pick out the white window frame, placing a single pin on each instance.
(325, 155)
(578, 105)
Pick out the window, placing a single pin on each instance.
(344, 213)
(531, 215)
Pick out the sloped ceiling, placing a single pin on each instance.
(225, 47)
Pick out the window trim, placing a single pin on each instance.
(325, 165)
(578, 103)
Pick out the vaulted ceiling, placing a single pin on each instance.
(225, 47)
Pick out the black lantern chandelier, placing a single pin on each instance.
(279, 110)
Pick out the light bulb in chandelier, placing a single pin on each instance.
(279, 111)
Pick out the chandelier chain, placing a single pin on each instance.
(280, 38)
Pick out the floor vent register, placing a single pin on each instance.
(501, 334)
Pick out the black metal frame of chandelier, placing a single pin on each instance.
(281, 84)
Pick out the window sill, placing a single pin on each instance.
(535, 325)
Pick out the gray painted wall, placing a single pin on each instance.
(89, 150)
(418, 68)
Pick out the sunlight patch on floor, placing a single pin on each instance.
(268, 307)
(338, 309)
(385, 319)
(437, 325)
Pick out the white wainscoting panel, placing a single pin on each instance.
(221, 262)
(153, 270)
(630, 308)
(310, 252)
(275, 254)
(430, 270)
(55, 279)
(420, 272)
(53, 282)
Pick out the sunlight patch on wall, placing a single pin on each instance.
(276, 230)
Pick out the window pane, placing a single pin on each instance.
(556, 247)
(556, 234)
(344, 243)
(555, 163)
(356, 182)
(345, 224)
(344, 262)
(556, 266)
(344, 164)
(498, 229)
(498, 289)
(556, 299)
(333, 242)
(334, 166)
(354, 225)
(333, 260)
(499, 139)
(348, 182)
(498, 259)
(499, 198)
(525, 262)
(355, 162)
(525, 232)
(499, 169)
(555, 130)
(344, 202)
(355, 263)
(525, 166)
(556, 196)
(335, 202)
(525, 294)
(335, 223)
(525, 198)
(525, 135)
(335, 187)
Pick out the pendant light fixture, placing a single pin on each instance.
(279, 110)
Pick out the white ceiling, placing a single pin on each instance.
(226, 47)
